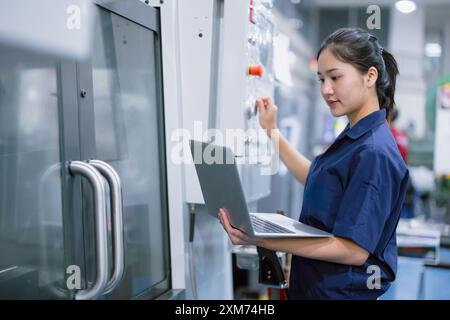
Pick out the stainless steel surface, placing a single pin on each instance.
(115, 187)
(95, 179)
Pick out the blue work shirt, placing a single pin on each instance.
(354, 190)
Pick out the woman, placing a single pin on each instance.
(353, 190)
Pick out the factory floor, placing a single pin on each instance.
(416, 281)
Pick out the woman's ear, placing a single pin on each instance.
(372, 76)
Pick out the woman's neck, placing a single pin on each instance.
(368, 108)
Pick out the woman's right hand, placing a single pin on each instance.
(267, 114)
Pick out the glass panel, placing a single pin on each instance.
(128, 138)
(31, 232)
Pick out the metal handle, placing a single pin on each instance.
(95, 179)
(117, 220)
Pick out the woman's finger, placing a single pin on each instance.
(225, 221)
(221, 220)
(219, 215)
(261, 106)
(224, 218)
(228, 228)
(267, 101)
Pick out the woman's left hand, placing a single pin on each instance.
(236, 236)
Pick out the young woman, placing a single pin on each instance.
(353, 190)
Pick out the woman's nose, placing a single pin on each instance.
(327, 89)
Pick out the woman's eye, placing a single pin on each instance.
(320, 80)
(334, 78)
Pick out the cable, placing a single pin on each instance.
(191, 221)
(191, 250)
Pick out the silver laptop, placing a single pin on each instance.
(221, 188)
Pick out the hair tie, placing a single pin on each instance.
(381, 50)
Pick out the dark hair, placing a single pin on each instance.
(361, 49)
(394, 115)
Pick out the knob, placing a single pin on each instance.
(255, 70)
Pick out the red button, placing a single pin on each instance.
(256, 70)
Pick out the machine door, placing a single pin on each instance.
(122, 115)
(39, 212)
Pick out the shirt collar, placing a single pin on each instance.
(365, 124)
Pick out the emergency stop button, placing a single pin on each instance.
(255, 70)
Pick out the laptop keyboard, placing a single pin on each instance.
(264, 226)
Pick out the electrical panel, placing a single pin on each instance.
(256, 157)
(236, 46)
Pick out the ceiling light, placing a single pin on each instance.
(405, 6)
(433, 50)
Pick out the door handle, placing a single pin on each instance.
(95, 180)
(115, 187)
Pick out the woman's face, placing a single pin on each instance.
(342, 85)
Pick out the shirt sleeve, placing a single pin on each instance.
(369, 199)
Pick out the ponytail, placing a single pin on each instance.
(386, 84)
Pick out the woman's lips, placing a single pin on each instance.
(332, 103)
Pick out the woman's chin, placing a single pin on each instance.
(336, 113)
